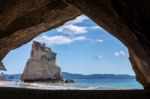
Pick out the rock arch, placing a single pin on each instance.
(127, 20)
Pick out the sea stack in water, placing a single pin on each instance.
(41, 65)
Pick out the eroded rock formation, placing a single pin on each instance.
(127, 20)
(2, 67)
(41, 66)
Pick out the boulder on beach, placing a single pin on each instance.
(69, 81)
(41, 65)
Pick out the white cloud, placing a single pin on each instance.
(80, 38)
(96, 27)
(98, 57)
(100, 40)
(117, 54)
(72, 29)
(59, 40)
(79, 19)
(120, 53)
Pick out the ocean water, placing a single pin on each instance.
(81, 84)
(108, 84)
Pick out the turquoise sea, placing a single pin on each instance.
(82, 84)
(107, 84)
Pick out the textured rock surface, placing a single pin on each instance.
(2, 67)
(127, 20)
(22, 20)
(25, 93)
(41, 66)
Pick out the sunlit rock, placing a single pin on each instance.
(41, 65)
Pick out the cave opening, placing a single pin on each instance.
(127, 20)
(84, 48)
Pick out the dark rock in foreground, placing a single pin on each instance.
(24, 93)
(42, 65)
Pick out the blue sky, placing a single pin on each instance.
(81, 47)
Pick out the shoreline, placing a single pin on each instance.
(56, 86)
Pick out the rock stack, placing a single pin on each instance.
(2, 67)
(41, 65)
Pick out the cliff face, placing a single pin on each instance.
(127, 20)
(41, 66)
(2, 67)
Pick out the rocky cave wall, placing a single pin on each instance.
(127, 20)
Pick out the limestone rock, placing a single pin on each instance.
(41, 66)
